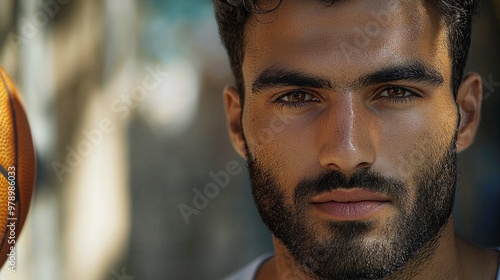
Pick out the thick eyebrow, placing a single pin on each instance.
(274, 77)
(413, 72)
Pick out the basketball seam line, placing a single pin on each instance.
(4, 172)
(13, 112)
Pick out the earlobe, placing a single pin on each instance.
(469, 100)
(234, 109)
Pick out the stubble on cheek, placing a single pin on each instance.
(276, 156)
(424, 153)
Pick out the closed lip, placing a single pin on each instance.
(349, 195)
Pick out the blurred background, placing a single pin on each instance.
(125, 103)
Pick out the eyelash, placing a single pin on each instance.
(294, 105)
(403, 99)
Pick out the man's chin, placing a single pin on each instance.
(363, 256)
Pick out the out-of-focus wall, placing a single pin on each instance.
(125, 103)
(477, 207)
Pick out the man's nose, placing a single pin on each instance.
(347, 138)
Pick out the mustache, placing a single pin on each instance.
(362, 178)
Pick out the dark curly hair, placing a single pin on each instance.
(231, 16)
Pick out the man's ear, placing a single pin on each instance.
(469, 98)
(233, 118)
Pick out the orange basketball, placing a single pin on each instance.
(17, 170)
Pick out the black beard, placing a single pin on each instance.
(343, 252)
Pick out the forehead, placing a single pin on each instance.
(345, 39)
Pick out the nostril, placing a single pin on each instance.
(348, 169)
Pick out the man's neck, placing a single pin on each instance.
(451, 257)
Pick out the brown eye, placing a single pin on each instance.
(396, 92)
(297, 97)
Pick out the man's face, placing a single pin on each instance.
(350, 129)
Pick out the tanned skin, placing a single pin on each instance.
(345, 125)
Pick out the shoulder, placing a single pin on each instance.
(249, 271)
